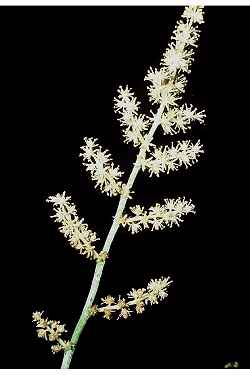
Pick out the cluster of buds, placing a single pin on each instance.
(102, 170)
(74, 229)
(51, 330)
(134, 125)
(156, 291)
(158, 216)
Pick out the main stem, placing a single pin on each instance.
(112, 232)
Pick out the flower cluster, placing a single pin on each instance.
(156, 291)
(179, 54)
(185, 34)
(177, 59)
(101, 167)
(158, 216)
(163, 87)
(168, 83)
(171, 158)
(51, 330)
(179, 119)
(166, 87)
(194, 13)
(74, 229)
(133, 124)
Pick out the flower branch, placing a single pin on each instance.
(166, 87)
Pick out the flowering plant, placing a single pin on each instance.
(165, 89)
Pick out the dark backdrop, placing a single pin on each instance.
(62, 66)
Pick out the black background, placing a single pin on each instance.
(61, 67)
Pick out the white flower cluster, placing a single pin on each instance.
(51, 330)
(178, 120)
(185, 34)
(79, 236)
(163, 88)
(171, 158)
(158, 216)
(177, 59)
(194, 13)
(156, 291)
(165, 84)
(178, 56)
(101, 167)
(133, 124)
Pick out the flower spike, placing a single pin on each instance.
(166, 159)
(158, 216)
(133, 125)
(74, 229)
(101, 167)
(156, 291)
(51, 330)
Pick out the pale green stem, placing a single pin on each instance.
(112, 232)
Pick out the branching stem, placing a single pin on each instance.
(112, 232)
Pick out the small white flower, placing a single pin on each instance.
(137, 210)
(157, 77)
(185, 34)
(194, 13)
(59, 199)
(126, 101)
(177, 59)
(125, 94)
(134, 227)
(191, 114)
(158, 288)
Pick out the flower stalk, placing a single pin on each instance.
(166, 86)
(86, 312)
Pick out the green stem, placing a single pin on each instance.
(112, 232)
